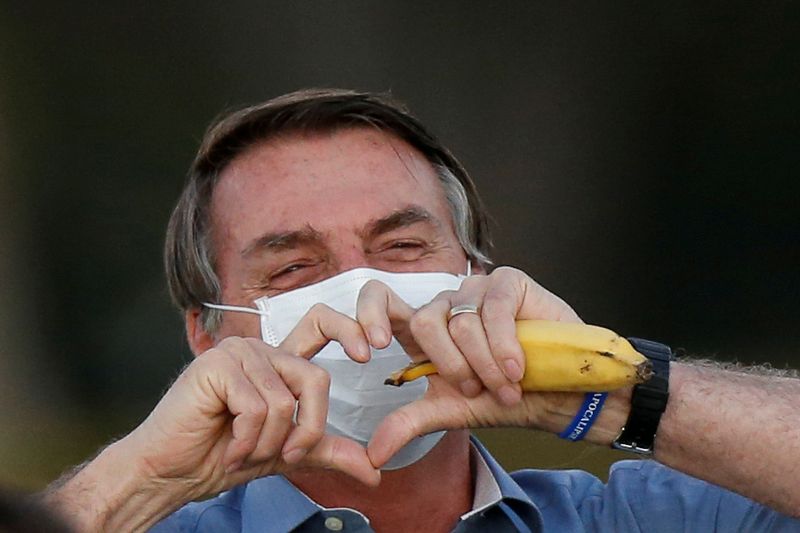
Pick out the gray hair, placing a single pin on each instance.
(189, 256)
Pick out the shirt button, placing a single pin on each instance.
(333, 523)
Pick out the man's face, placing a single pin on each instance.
(296, 210)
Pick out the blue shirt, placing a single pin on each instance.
(639, 495)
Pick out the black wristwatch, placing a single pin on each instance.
(648, 401)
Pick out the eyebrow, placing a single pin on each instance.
(288, 240)
(401, 218)
(283, 240)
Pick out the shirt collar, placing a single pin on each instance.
(273, 504)
(510, 492)
(486, 490)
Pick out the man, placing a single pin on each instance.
(300, 199)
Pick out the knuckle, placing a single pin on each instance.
(312, 434)
(422, 322)
(216, 357)
(257, 410)
(492, 376)
(227, 344)
(505, 347)
(472, 282)
(445, 295)
(319, 309)
(404, 420)
(233, 340)
(204, 358)
(454, 368)
(492, 310)
(504, 271)
(333, 452)
(283, 405)
(459, 326)
(257, 344)
(319, 377)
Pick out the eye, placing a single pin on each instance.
(289, 274)
(405, 244)
(289, 269)
(403, 250)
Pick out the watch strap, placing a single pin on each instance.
(648, 401)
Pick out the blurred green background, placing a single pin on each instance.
(641, 161)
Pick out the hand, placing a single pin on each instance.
(228, 418)
(471, 351)
(479, 359)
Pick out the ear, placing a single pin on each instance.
(199, 339)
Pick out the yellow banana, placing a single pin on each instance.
(562, 356)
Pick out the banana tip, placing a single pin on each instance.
(395, 378)
(644, 371)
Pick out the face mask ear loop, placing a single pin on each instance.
(469, 267)
(234, 308)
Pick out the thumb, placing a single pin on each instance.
(345, 455)
(418, 418)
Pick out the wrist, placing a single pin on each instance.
(558, 411)
(113, 492)
(85, 499)
(648, 401)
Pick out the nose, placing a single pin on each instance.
(350, 256)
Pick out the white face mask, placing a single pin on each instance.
(359, 400)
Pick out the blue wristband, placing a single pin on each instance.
(585, 417)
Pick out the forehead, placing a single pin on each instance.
(336, 181)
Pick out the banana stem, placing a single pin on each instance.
(410, 373)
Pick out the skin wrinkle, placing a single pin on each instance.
(272, 184)
(401, 218)
(282, 240)
(732, 406)
(461, 217)
(272, 244)
(291, 239)
(233, 174)
(705, 433)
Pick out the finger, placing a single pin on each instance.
(470, 336)
(430, 331)
(344, 455)
(528, 299)
(380, 311)
(514, 295)
(280, 402)
(467, 332)
(248, 409)
(420, 417)
(310, 384)
(331, 453)
(320, 326)
(499, 312)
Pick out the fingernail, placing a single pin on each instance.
(508, 395)
(233, 467)
(513, 370)
(362, 350)
(471, 387)
(378, 337)
(294, 456)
